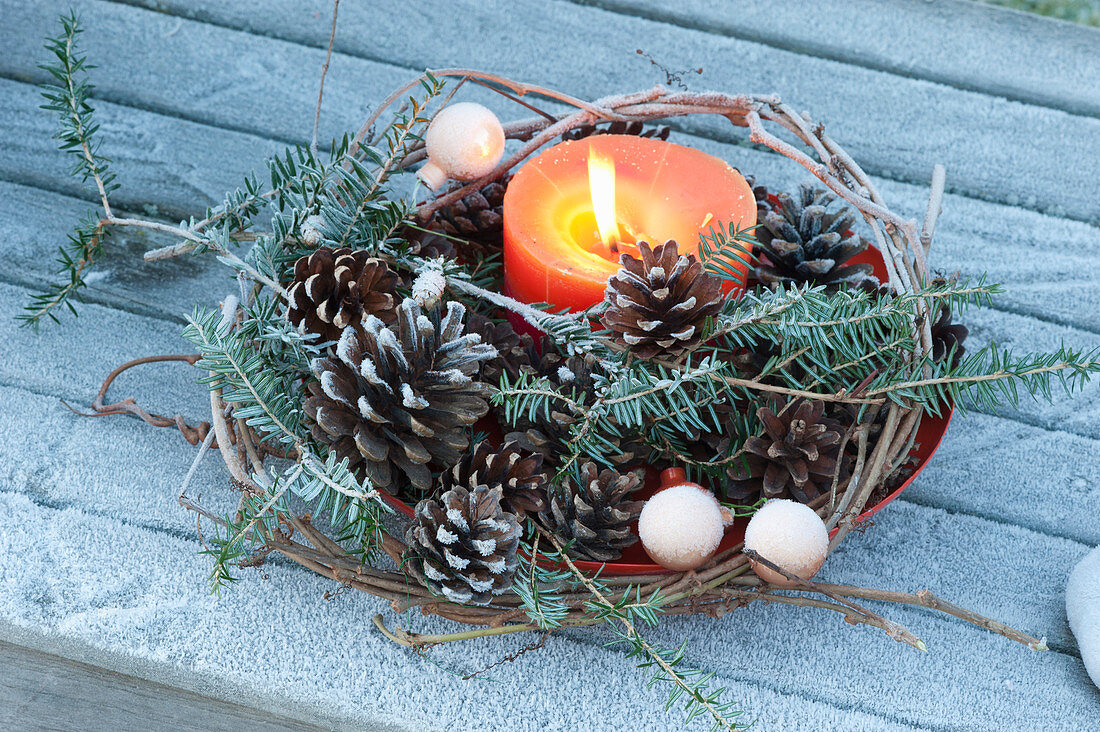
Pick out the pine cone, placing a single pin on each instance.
(401, 395)
(804, 242)
(657, 305)
(515, 471)
(515, 352)
(617, 127)
(761, 194)
(427, 244)
(946, 336)
(795, 458)
(335, 289)
(595, 515)
(477, 218)
(550, 434)
(464, 545)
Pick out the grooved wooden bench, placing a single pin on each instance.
(192, 94)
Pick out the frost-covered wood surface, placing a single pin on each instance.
(192, 94)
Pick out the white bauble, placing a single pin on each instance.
(790, 535)
(1083, 611)
(465, 141)
(681, 526)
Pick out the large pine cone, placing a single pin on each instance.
(805, 242)
(400, 396)
(795, 458)
(596, 514)
(515, 471)
(657, 304)
(464, 545)
(335, 289)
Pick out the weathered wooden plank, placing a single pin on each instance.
(70, 359)
(1013, 473)
(175, 166)
(1020, 56)
(36, 222)
(897, 127)
(279, 645)
(974, 236)
(40, 692)
(135, 474)
(238, 81)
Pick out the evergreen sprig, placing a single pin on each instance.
(728, 254)
(68, 97)
(623, 613)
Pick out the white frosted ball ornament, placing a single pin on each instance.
(682, 525)
(789, 534)
(465, 141)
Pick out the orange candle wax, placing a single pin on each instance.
(566, 222)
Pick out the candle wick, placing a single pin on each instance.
(614, 246)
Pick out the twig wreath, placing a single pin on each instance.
(352, 368)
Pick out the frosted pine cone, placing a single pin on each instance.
(464, 545)
(401, 396)
(657, 304)
(335, 289)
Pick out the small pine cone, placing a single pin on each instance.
(517, 472)
(549, 434)
(401, 396)
(947, 336)
(752, 361)
(427, 244)
(515, 352)
(657, 304)
(477, 218)
(761, 194)
(595, 515)
(796, 458)
(617, 127)
(335, 289)
(805, 242)
(464, 545)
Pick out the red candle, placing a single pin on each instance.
(570, 212)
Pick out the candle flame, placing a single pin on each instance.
(601, 183)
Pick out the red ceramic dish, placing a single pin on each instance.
(635, 561)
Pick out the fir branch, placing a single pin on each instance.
(68, 98)
(991, 378)
(258, 367)
(728, 256)
(533, 585)
(401, 132)
(691, 685)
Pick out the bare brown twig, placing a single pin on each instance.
(324, 73)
